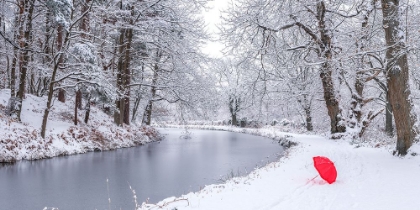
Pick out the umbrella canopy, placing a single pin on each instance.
(325, 168)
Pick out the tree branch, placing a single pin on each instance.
(299, 24)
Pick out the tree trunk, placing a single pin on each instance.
(7, 72)
(127, 76)
(18, 34)
(135, 108)
(334, 111)
(79, 99)
(234, 120)
(49, 99)
(234, 107)
(60, 34)
(46, 45)
(6, 77)
(333, 106)
(32, 84)
(118, 113)
(122, 115)
(58, 64)
(136, 105)
(25, 56)
(398, 76)
(357, 118)
(309, 126)
(147, 116)
(84, 24)
(77, 105)
(389, 129)
(75, 113)
(84, 27)
(87, 113)
(13, 74)
(42, 84)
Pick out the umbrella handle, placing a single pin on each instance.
(312, 179)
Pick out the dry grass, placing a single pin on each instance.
(151, 132)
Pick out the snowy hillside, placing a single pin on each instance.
(23, 141)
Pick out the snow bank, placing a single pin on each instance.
(22, 140)
(282, 137)
(368, 178)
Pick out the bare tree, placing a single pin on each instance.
(398, 76)
(315, 19)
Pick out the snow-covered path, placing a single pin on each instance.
(368, 178)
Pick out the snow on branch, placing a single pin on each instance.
(299, 24)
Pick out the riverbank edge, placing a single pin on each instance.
(21, 140)
(69, 143)
(283, 138)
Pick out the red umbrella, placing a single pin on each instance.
(325, 168)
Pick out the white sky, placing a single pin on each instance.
(212, 18)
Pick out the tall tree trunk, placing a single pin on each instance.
(58, 64)
(357, 118)
(118, 113)
(25, 55)
(147, 116)
(122, 115)
(398, 76)
(84, 27)
(50, 98)
(46, 45)
(6, 73)
(127, 76)
(389, 129)
(13, 106)
(333, 106)
(60, 34)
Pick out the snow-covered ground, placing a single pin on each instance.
(22, 140)
(369, 177)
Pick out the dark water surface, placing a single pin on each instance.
(158, 170)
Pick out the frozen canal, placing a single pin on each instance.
(158, 170)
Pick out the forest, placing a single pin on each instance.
(343, 67)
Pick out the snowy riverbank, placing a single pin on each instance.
(283, 138)
(369, 177)
(22, 140)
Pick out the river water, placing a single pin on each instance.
(172, 167)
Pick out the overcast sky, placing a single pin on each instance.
(212, 17)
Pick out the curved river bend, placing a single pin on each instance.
(172, 167)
